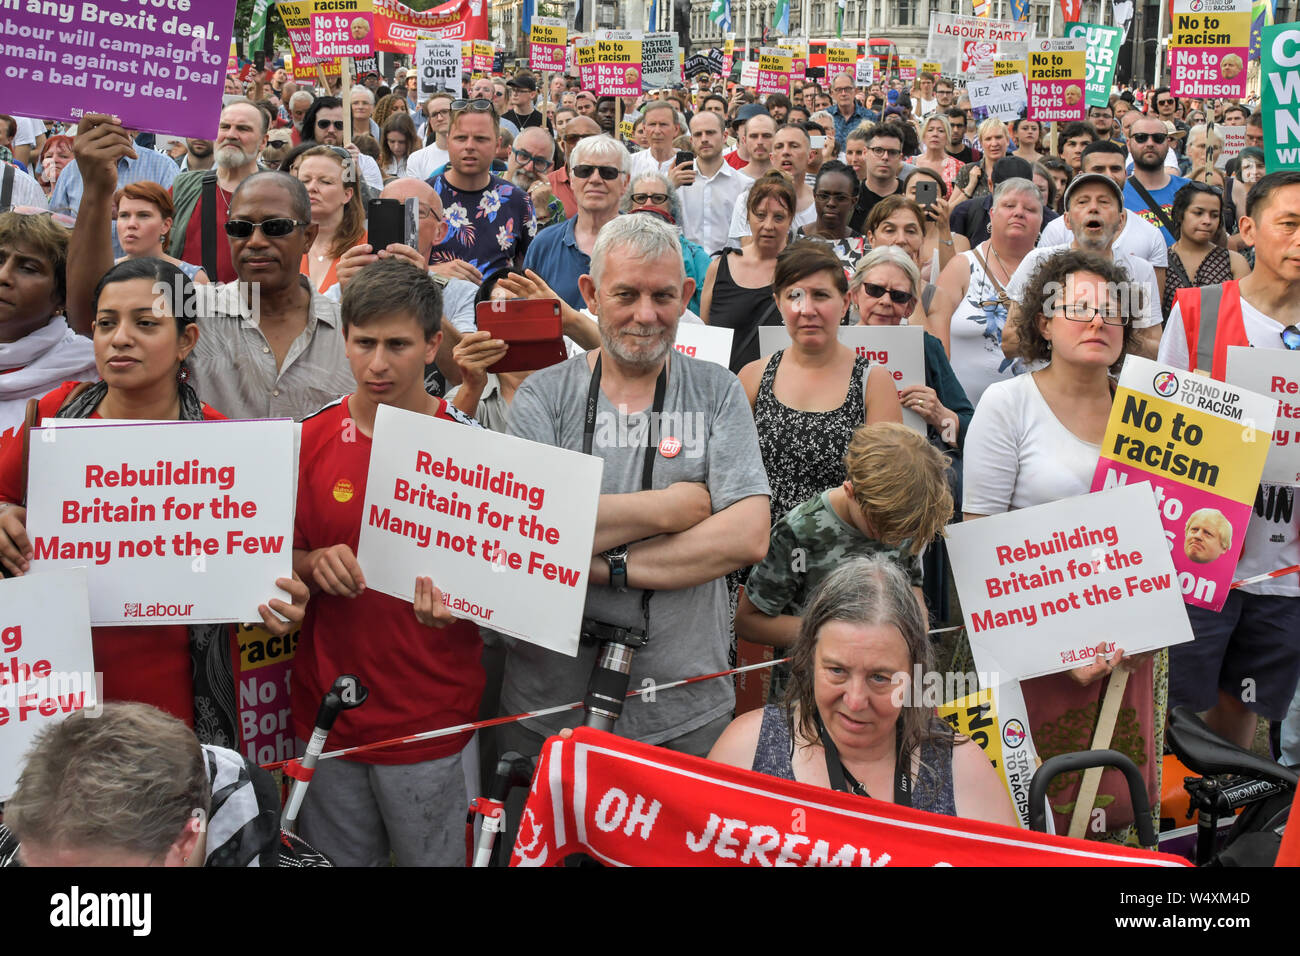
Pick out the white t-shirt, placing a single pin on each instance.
(1138, 269)
(421, 163)
(1273, 535)
(740, 217)
(28, 130)
(644, 162)
(369, 170)
(1138, 238)
(1018, 454)
(975, 336)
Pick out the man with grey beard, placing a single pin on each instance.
(531, 158)
(202, 197)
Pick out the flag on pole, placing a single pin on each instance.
(1020, 10)
(781, 18)
(257, 25)
(839, 17)
(1261, 15)
(720, 14)
(527, 18)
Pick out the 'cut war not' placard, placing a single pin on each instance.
(178, 522)
(503, 526)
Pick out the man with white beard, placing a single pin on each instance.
(202, 197)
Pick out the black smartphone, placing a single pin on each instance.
(927, 191)
(684, 156)
(390, 221)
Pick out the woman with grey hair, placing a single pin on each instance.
(651, 192)
(970, 314)
(856, 717)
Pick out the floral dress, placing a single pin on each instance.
(490, 228)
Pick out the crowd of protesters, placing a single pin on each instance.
(832, 206)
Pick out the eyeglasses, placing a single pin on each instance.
(277, 143)
(1157, 138)
(1164, 102)
(426, 212)
(439, 114)
(478, 105)
(271, 228)
(658, 199)
(1079, 312)
(881, 153)
(540, 163)
(326, 124)
(824, 197)
(896, 296)
(1291, 337)
(606, 172)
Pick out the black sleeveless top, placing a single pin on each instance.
(741, 309)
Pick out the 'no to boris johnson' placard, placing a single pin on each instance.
(177, 522)
(1043, 586)
(503, 526)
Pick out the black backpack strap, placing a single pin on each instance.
(208, 225)
(1154, 206)
(7, 187)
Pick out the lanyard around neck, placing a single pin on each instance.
(589, 427)
(845, 782)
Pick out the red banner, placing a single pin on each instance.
(396, 25)
(1070, 9)
(629, 804)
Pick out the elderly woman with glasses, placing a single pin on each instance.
(1035, 439)
(1198, 257)
(651, 192)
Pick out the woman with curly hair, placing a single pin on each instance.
(1035, 439)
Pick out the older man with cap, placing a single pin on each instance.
(1094, 213)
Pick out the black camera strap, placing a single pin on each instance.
(651, 449)
(845, 782)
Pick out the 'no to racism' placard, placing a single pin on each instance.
(1209, 48)
(504, 526)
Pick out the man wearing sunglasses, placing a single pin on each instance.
(1151, 188)
(490, 222)
(576, 130)
(1166, 109)
(270, 346)
(1251, 642)
(324, 124)
(598, 171)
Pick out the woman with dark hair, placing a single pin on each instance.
(1061, 174)
(1027, 134)
(738, 287)
(327, 172)
(1198, 257)
(835, 193)
(808, 398)
(853, 720)
(399, 142)
(143, 332)
(1035, 439)
(144, 213)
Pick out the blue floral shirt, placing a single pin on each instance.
(489, 228)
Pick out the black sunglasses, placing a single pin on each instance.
(271, 228)
(1157, 138)
(277, 143)
(326, 124)
(606, 172)
(895, 296)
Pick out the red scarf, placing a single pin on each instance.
(629, 804)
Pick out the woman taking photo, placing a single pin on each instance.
(939, 244)
(974, 178)
(843, 723)
(141, 340)
(399, 142)
(809, 398)
(834, 195)
(1036, 439)
(972, 310)
(935, 136)
(144, 214)
(1198, 258)
(1028, 134)
(335, 208)
(738, 288)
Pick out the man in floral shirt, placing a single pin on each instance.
(489, 221)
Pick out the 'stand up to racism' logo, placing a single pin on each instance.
(1013, 733)
(1165, 383)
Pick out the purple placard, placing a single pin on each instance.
(160, 66)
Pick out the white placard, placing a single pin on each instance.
(1002, 96)
(504, 526)
(1234, 141)
(864, 72)
(712, 343)
(749, 73)
(659, 66)
(1274, 372)
(439, 62)
(1040, 588)
(47, 667)
(900, 348)
(178, 522)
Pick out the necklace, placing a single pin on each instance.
(1005, 271)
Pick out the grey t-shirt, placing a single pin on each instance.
(705, 407)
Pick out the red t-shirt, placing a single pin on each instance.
(150, 664)
(735, 160)
(193, 251)
(420, 678)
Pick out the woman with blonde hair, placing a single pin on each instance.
(330, 177)
(935, 136)
(975, 179)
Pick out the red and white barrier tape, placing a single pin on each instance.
(1268, 576)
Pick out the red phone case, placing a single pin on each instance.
(533, 328)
